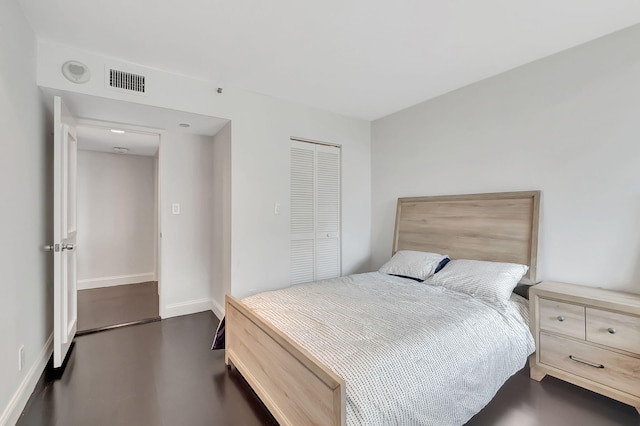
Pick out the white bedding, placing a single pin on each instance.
(409, 353)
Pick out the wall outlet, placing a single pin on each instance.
(175, 208)
(21, 358)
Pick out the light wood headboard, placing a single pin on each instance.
(500, 227)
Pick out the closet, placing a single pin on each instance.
(315, 211)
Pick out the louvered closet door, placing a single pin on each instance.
(327, 212)
(302, 212)
(315, 212)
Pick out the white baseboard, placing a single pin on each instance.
(115, 280)
(217, 308)
(19, 400)
(186, 308)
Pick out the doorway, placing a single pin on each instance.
(117, 215)
(192, 190)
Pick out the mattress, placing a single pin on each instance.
(409, 353)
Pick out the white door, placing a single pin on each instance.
(315, 212)
(327, 212)
(65, 310)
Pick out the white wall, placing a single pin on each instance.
(116, 219)
(260, 177)
(260, 132)
(27, 302)
(568, 125)
(221, 255)
(186, 178)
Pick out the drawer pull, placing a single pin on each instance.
(561, 318)
(581, 361)
(612, 330)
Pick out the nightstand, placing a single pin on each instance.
(587, 336)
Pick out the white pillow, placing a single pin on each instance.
(417, 265)
(490, 281)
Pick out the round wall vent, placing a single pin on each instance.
(76, 72)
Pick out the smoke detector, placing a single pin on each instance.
(120, 150)
(76, 72)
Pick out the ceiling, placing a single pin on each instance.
(361, 58)
(133, 114)
(102, 139)
(142, 124)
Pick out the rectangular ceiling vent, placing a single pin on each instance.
(127, 81)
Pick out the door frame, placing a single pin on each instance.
(157, 262)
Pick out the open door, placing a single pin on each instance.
(65, 310)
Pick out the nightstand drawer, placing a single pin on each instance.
(563, 318)
(600, 365)
(614, 329)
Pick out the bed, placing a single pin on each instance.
(379, 349)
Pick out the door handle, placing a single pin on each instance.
(52, 247)
(67, 247)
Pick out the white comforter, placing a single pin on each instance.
(409, 353)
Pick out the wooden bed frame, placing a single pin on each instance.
(300, 390)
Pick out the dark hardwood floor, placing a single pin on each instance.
(160, 373)
(164, 373)
(552, 402)
(107, 306)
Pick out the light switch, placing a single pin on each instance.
(175, 208)
(276, 208)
